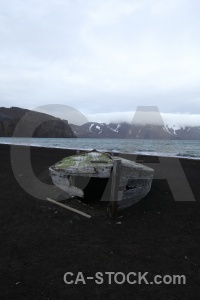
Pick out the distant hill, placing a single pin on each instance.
(125, 130)
(46, 125)
(49, 126)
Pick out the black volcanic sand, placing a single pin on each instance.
(41, 241)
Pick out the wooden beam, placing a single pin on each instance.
(69, 208)
(116, 173)
(72, 180)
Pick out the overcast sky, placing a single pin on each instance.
(102, 57)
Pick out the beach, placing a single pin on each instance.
(40, 241)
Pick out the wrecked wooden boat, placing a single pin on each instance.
(131, 181)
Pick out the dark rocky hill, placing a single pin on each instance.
(21, 122)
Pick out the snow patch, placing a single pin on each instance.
(166, 128)
(118, 126)
(100, 131)
(116, 129)
(90, 128)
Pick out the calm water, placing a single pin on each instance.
(190, 149)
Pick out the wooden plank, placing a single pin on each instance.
(116, 173)
(69, 208)
(72, 180)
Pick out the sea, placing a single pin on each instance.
(165, 148)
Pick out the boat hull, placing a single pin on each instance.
(134, 184)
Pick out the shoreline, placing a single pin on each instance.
(114, 151)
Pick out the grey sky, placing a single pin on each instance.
(104, 56)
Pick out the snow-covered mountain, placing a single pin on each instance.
(125, 130)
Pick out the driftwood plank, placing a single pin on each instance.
(69, 208)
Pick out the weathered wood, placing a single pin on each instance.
(92, 164)
(116, 173)
(64, 183)
(72, 180)
(133, 185)
(69, 208)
